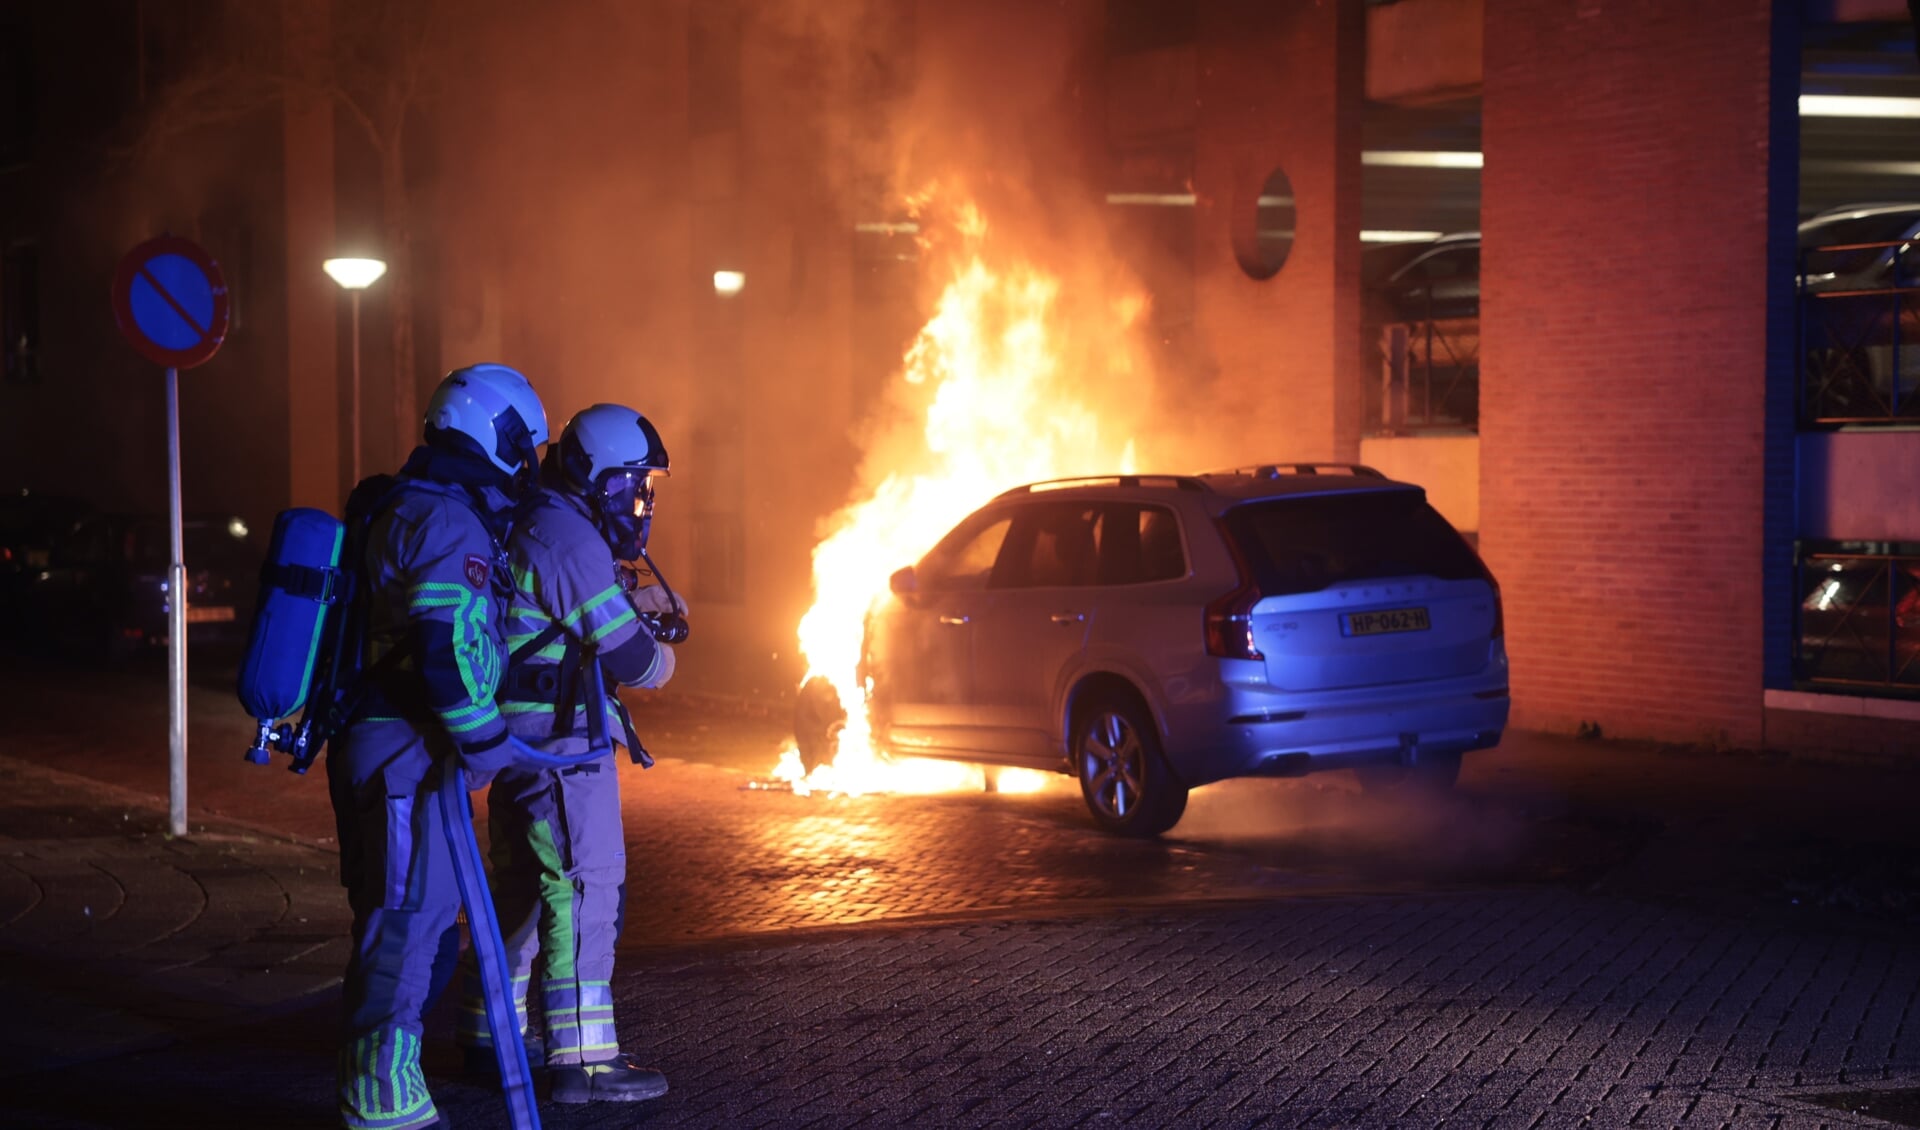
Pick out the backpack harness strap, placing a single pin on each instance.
(327, 585)
(564, 684)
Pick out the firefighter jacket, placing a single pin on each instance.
(564, 576)
(437, 588)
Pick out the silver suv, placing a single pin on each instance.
(1150, 634)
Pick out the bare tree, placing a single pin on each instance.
(378, 61)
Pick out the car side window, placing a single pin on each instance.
(965, 558)
(1139, 544)
(1052, 545)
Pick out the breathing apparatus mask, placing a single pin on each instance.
(625, 501)
(607, 456)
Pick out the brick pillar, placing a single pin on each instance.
(1629, 219)
(1280, 87)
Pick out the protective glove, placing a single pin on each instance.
(484, 759)
(656, 599)
(662, 668)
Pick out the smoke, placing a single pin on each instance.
(979, 124)
(596, 163)
(1326, 823)
(567, 205)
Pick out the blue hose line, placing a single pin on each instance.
(526, 754)
(496, 980)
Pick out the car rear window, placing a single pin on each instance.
(1308, 544)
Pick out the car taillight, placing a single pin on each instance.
(1230, 624)
(1229, 617)
(1499, 614)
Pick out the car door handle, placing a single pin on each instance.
(1069, 617)
(955, 620)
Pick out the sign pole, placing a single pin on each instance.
(170, 302)
(176, 622)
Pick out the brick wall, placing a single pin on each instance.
(1626, 211)
(1280, 87)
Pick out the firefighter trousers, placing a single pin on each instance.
(398, 870)
(559, 881)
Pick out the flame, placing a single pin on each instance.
(1014, 378)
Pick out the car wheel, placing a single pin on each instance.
(817, 721)
(1125, 779)
(1434, 774)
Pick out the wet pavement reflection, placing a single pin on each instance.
(710, 856)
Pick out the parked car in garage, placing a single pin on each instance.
(1441, 281)
(1151, 634)
(1857, 247)
(1859, 277)
(103, 593)
(1859, 616)
(1432, 289)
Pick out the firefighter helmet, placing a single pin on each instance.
(608, 455)
(495, 407)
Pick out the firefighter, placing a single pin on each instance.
(559, 855)
(437, 583)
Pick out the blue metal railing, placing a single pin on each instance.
(1857, 624)
(1859, 335)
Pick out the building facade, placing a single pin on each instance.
(1692, 546)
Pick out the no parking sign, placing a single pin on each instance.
(170, 301)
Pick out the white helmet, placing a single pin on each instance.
(496, 408)
(607, 455)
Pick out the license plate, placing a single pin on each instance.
(210, 614)
(1386, 620)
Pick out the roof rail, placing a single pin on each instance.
(1275, 470)
(1177, 482)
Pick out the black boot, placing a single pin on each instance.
(616, 1080)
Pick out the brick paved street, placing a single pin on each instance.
(1588, 934)
(1537, 1008)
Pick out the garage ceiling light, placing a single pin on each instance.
(1171, 199)
(1398, 236)
(1422, 158)
(1857, 106)
(1866, 168)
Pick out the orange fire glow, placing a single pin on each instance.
(1022, 373)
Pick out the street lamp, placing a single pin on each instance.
(354, 276)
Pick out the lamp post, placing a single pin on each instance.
(354, 276)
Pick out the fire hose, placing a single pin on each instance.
(489, 951)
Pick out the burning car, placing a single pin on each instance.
(1149, 634)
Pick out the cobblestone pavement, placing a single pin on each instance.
(1530, 1008)
(1587, 934)
(118, 936)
